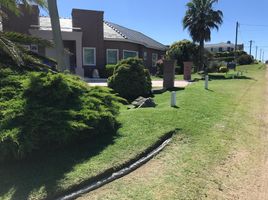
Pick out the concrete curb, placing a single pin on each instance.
(113, 174)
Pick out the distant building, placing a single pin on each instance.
(223, 47)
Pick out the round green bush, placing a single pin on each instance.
(130, 79)
(245, 59)
(40, 111)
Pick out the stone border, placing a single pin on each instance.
(112, 174)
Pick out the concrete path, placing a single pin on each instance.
(155, 84)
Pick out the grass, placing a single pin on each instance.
(206, 124)
(213, 125)
(197, 76)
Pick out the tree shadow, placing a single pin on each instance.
(45, 169)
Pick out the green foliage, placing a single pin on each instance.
(110, 70)
(228, 56)
(245, 60)
(44, 110)
(130, 79)
(200, 18)
(223, 69)
(181, 51)
(214, 66)
(159, 68)
(12, 5)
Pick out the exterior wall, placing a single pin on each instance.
(121, 46)
(75, 37)
(23, 22)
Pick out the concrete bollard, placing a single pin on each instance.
(206, 82)
(173, 99)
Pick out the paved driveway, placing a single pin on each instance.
(156, 84)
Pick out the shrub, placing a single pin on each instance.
(245, 60)
(160, 68)
(109, 70)
(214, 66)
(223, 69)
(40, 111)
(130, 79)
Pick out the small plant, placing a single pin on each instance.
(130, 79)
(223, 70)
(160, 68)
(245, 60)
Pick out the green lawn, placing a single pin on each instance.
(204, 137)
(213, 124)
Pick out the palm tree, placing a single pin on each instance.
(6, 44)
(55, 23)
(10, 48)
(200, 19)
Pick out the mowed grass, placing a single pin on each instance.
(200, 118)
(213, 124)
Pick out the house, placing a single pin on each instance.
(91, 42)
(223, 47)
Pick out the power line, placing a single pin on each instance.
(260, 25)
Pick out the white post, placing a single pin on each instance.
(206, 82)
(173, 99)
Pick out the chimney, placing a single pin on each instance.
(91, 24)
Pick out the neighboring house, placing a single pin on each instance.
(91, 41)
(223, 47)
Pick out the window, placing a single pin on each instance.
(89, 56)
(130, 54)
(229, 49)
(111, 56)
(34, 48)
(154, 59)
(220, 49)
(211, 49)
(144, 55)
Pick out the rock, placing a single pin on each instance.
(142, 102)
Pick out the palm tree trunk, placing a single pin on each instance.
(202, 46)
(55, 23)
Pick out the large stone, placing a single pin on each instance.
(142, 102)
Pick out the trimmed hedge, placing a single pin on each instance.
(130, 79)
(40, 111)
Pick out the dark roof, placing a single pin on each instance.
(112, 32)
(129, 35)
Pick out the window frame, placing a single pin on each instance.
(153, 59)
(137, 53)
(84, 61)
(145, 55)
(117, 56)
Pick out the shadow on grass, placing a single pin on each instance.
(47, 168)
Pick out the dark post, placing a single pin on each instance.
(169, 74)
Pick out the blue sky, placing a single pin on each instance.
(162, 19)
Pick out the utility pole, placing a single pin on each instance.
(250, 46)
(260, 53)
(263, 56)
(236, 35)
(256, 55)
